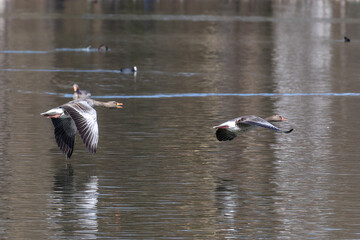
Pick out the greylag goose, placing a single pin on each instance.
(80, 93)
(229, 130)
(78, 115)
(129, 70)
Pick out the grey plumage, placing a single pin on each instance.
(229, 130)
(77, 115)
(85, 119)
(80, 93)
(65, 131)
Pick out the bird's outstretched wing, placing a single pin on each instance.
(64, 131)
(85, 119)
(258, 121)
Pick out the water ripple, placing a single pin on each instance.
(184, 95)
(179, 17)
(181, 74)
(87, 49)
(24, 51)
(57, 70)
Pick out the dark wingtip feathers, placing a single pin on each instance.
(224, 135)
(289, 131)
(64, 136)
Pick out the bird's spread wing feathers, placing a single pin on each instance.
(263, 123)
(64, 131)
(85, 119)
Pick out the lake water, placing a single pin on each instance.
(159, 171)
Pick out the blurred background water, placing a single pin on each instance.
(159, 172)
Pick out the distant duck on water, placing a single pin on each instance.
(346, 39)
(129, 70)
(227, 131)
(103, 48)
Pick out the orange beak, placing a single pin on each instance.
(283, 119)
(119, 105)
(75, 87)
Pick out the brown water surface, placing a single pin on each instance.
(159, 172)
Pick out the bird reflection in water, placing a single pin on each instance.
(76, 201)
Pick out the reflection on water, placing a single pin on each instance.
(159, 172)
(23, 52)
(196, 95)
(305, 198)
(87, 49)
(75, 204)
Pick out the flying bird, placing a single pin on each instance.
(227, 131)
(78, 115)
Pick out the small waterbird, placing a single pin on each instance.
(129, 70)
(103, 48)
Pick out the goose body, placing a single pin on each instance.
(227, 131)
(77, 115)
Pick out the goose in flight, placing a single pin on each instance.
(78, 115)
(229, 130)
